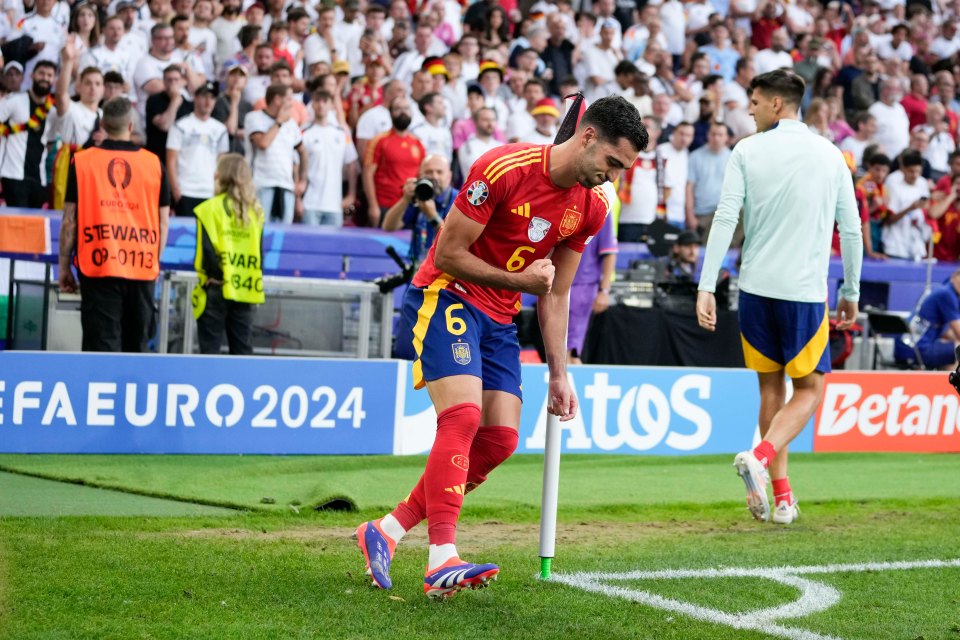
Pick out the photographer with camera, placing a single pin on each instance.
(423, 205)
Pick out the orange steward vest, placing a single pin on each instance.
(118, 213)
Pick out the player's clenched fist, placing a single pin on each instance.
(539, 277)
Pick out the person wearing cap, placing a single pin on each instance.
(12, 77)
(545, 115)
(24, 114)
(194, 144)
(134, 40)
(599, 61)
(490, 80)
(165, 108)
(684, 255)
(439, 77)
(231, 108)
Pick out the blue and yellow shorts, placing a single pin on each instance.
(781, 334)
(445, 336)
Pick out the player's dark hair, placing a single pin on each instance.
(911, 158)
(782, 83)
(878, 158)
(614, 118)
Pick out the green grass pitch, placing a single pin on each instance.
(231, 547)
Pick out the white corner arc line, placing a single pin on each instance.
(814, 596)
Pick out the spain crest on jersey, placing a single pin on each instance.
(461, 353)
(570, 222)
(537, 229)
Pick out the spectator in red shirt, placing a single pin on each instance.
(392, 158)
(915, 102)
(765, 21)
(944, 183)
(946, 211)
(277, 37)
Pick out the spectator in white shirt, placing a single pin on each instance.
(948, 42)
(897, 44)
(23, 167)
(545, 115)
(411, 61)
(109, 56)
(227, 27)
(432, 131)
(893, 125)
(257, 84)
(941, 143)
(148, 76)
(905, 232)
(194, 145)
(777, 56)
(376, 120)
(78, 121)
(481, 141)
(677, 156)
(48, 28)
(274, 150)
(330, 154)
(521, 122)
(864, 130)
(203, 39)
(599, 62)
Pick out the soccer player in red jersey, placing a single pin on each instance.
(520, 223)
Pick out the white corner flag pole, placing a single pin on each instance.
(548, 503)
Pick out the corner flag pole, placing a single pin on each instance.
(551, 451)
(548, 502)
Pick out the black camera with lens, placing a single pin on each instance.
(423, 190)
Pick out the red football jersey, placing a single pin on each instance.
(509, 190)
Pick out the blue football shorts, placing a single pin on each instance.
(784, 335)
(445, 336)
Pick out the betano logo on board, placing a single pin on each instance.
(915, 412)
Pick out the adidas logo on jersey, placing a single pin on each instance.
(522, 210)
(458, 489)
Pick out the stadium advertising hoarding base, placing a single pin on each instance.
(98, 403)
(888, 411)
(630, 410)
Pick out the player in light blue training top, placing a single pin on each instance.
(792, 186)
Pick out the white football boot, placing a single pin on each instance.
(754, 477)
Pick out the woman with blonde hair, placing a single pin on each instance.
(817, 118)
(229, 259)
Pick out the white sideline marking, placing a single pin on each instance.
(814, 596)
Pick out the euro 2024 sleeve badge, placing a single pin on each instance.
(477, 193)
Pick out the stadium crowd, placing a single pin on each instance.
(340, 106)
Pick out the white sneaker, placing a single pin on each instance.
(786, 513)
(755, 478)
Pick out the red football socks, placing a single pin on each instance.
(444, 480)
(491, 446)
(413, 509)
(765, 453)
(782, 491)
